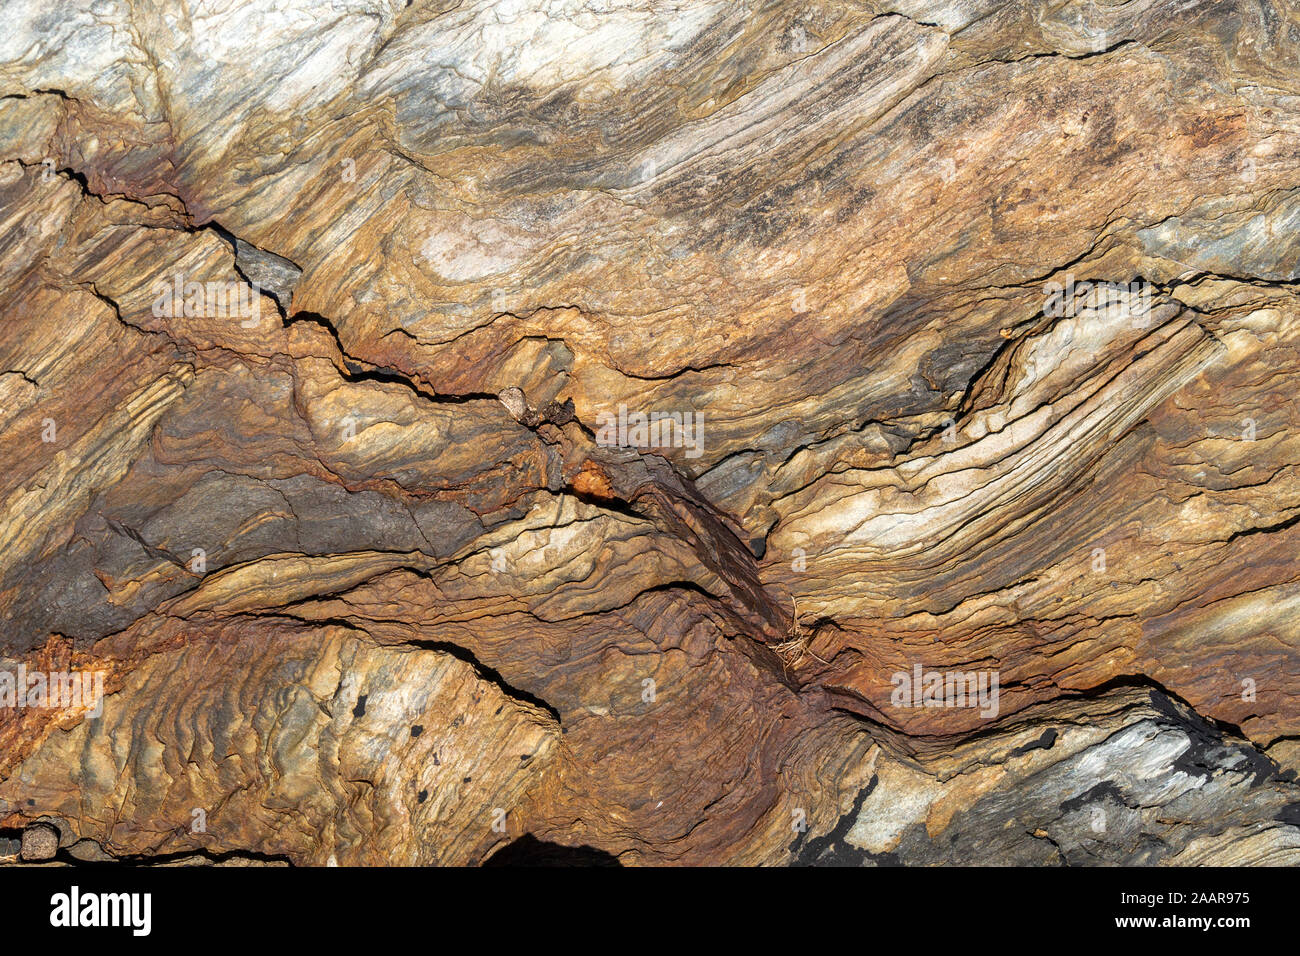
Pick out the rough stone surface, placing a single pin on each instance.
(370, 574)
(40, 841)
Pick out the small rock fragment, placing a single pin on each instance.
(514, 401)
(88, 851)
(40, 842)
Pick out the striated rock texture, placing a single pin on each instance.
(336, 343)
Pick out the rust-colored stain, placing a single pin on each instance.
(593, 481)
(1208, 130)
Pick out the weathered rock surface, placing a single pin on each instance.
(40, 841)
(975, 539)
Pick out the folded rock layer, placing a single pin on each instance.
(620, 432)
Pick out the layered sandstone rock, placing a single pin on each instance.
(708, 432)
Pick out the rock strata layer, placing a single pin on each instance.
(639, 433)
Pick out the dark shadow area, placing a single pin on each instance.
(530, 851)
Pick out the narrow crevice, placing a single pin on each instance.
(357, 370)
(485, 673)
(158, 859)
